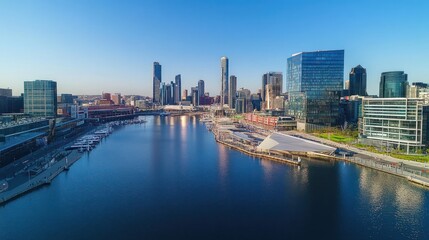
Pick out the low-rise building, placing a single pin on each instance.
(281, 123)
(393, 124)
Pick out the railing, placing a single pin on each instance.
(398, 169)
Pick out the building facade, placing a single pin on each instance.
(314, 83)
(418, 90)
(393, 84)
(357, 81)
(40, 98)
(195, 96)
(156, 82)
(232, 95)
(11, 104)
(201, 88)
(276, 80)
(5, 92)
(224, 65)
(393, 124)
(178, 81)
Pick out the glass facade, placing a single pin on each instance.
(232, 96)
(224, 62)
(357, 81)
(393, 84)
(156, 82)
(40, 98)
(178, 81)
(395, 122)
(314, 83)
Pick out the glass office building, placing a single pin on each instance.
(224, 65)
(40, 98)
(393, 123)
(393, 84)
(357, 81)
(314, 83)
(156, 83)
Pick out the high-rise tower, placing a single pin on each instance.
(393, 84)
(357, 82)
(224, 70)
(156, 82)
(178, 81)
(314, 83)
(232, 95)
(201, 88)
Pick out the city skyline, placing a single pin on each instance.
(77, 44)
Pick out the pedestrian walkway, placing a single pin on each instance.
(357, 150)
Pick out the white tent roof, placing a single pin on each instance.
(280, 141)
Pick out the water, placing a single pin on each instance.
(169, 179)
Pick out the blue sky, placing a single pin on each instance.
(91, 46)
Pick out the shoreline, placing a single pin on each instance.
(260, 155)
(41, 179)
(383, 165)
(54, 168)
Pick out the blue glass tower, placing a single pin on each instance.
(224, 62)
(178, 82)
(393, 84)
(156, 82)
(314, 83)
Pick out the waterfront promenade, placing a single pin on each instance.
(416, 172)
(45, 177)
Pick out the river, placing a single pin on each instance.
(169, 179)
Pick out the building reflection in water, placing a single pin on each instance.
(381, 189)
(223, 162)
(267, 168)
(300, 174)
(183, 128)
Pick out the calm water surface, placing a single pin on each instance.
(169, 179)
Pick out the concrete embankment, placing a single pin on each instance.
(386, 168)
(45, 177)
(260, 155)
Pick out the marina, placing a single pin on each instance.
(38, 172)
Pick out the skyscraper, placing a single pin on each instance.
(168, 94)
(185, 95)
(163, 94)
(393, 84)
(357, 81)
(178, 80)
(156, 82)
(201, 88)
(232, 95)
(40, 98)
(224, 70)
(273, 78)
(195, 96)
(272, 87)
(314, 83)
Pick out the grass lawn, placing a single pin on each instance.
(422, 158)
(419, 158)
(337, 137)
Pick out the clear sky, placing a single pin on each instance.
(91, 46)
